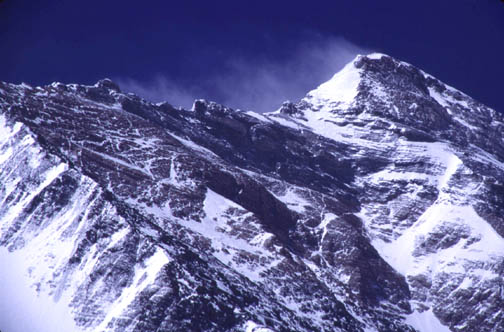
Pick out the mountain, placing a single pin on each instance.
(375, 203)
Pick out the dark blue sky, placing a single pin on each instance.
(249, 54)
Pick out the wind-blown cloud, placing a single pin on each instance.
(257, 84)
(160, 89)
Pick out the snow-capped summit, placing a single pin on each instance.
(375, 203)
(340, 90)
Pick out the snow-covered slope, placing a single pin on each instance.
(373, 204)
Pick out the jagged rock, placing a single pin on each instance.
(373, 204)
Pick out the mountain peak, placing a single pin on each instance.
(377, 88)
(373, 56)
(373, 204)
(342, 88)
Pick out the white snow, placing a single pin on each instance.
(25, 273)
(5, 154)
(194, 146)
(13, 211)
(485, 157)
(261, 239)
(426, 322)
(258, 116)
(448, 102)
(444, 163)
(388, 175)
(451, 162)
(327, 218)
(145, 275)
(36, 281)
(465, 123)
(375, 56)
(449, 215)
(121, 162)
(22, 308)
(7, 134)
(215, 205)
(449, 210)
(227, 245)
(251, 326)
(286, 121)
(293, 200)
(341, 88)
(438, 97)
(399, 253)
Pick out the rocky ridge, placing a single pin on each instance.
(375, 203)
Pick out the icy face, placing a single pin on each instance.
(373, 204)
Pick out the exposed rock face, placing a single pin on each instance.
(375, 203)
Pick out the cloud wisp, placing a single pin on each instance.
(159, 89)
(257, 84)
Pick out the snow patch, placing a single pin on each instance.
(286, 121)
(293, 200)
(258, 116)
(438, 97)
(24, 309)
(375, 56)
(145, 274)
(251, 326)
(341, 88)
(426, 322)
(214, 227)
(441, 217)
(194, 146)
(7, 133)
